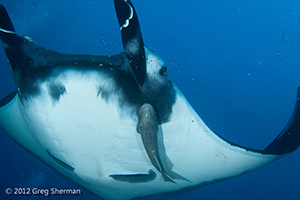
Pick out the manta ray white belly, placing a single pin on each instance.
(97, 139)
(84, 135)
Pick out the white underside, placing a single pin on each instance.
(99, 139)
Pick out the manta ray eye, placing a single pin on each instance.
(163, 71)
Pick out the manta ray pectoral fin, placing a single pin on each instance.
(13, 123)
(132, 39)
(289, 139)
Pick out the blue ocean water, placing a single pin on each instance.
(237, 62)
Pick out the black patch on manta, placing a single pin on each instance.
(163, 102)
(56, 91)
(135, 178)
(130, 94)
(7, 99)
(125, 88)
(29, 79)
(32, 65)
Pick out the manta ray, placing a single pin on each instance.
(115, 125)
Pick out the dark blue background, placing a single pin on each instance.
(236, 61)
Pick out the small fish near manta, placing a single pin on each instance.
(116, 125)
